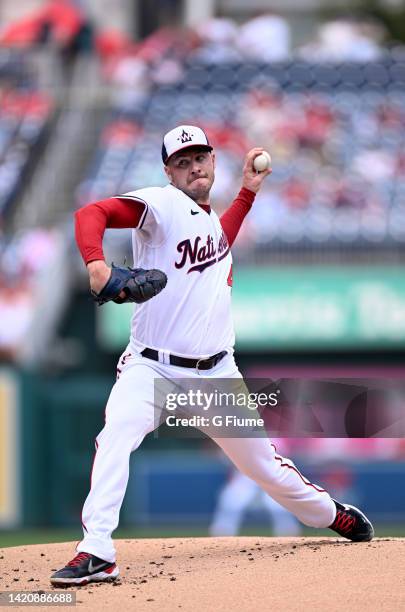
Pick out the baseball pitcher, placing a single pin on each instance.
(181, 329)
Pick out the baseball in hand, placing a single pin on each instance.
(262, 162)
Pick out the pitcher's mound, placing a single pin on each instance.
(226, 574)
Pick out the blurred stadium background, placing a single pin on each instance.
(87, 89)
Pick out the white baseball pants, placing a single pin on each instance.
(130, 416)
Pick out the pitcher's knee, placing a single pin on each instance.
(121, 436)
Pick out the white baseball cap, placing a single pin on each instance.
(183, 137)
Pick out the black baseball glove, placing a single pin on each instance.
(138, 285)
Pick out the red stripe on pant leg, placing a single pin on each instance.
(92, 466)
(291, 467)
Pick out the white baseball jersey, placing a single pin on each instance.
(192, 316)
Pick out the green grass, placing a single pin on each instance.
(23, 537)
(43, 535)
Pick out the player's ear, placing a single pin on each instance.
(213, 159)
(168, 172)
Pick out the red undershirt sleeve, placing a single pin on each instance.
(92, 220)
(233, 217)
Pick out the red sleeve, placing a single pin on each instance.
(92, 220)
(233, 217)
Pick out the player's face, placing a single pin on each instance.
(192, 171)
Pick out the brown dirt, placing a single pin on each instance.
(226, 574)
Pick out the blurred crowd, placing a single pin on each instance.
(267, 37)
(23, 260)
(25, 116)
(59, 24)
